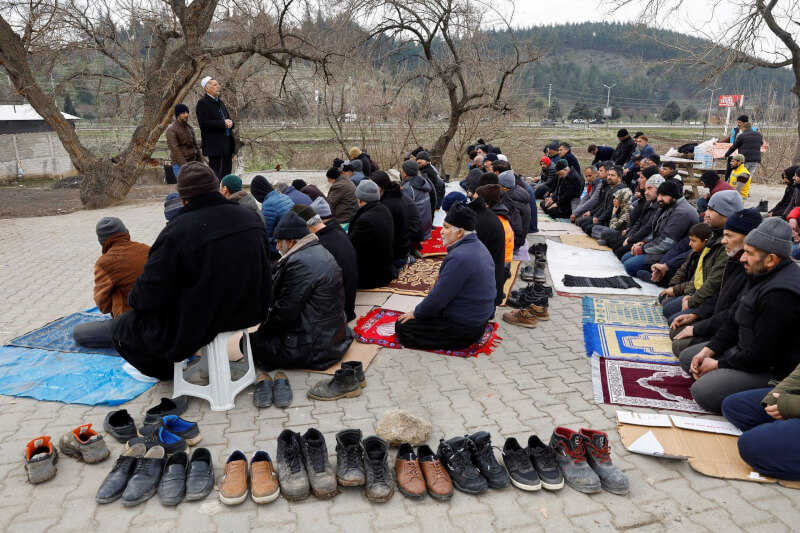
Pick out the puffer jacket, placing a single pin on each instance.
(519, 213)
(419, 191)
(182, 143)
(749, 145)
(713, 271)
(247, 200)
(431, 174)
(643, 225)
(274, 207)
(305, 326)
(116, 271)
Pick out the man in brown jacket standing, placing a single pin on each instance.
(181, 140)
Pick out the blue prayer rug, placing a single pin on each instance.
(57, 335)
(626, 312)
(629, 343)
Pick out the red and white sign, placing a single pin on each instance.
(730, 100)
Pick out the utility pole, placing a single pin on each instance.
(549, 93)
(711, 101)
(608, 101)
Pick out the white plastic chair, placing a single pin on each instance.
(221, 390)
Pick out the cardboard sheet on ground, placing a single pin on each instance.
(583, 241)
(564, 259)
(709, 445)
(364, 353)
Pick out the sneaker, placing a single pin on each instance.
(359, 368)
(233, 484)
(520, 317)
(379, 486)
(349, 458)
(410, 480)
(120, 425)
(480, 444)
(200, 477)
(264, 486)
(455, 457)
(162, 437)
(437, 480)
(167, 406)
(114, 484)
(289, 466)
(172, 487)
(84, 444)
(526, 274)
(143, 484)
(40, 459)
(188, 431)
(544, 461)
(520, 469)
(281, 391)
(321, 476)
(539, 311)
(568, 447)
(598, 455)
(343, 384)
(538, 272)
(262, 392)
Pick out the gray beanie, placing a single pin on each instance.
(109, 226)
(506, 179)
(368, 191)
(356, 165)
(655, 181)
(726, 203)
(321, 207)
(773, 236)
(410, 167)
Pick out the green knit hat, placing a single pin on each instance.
(232, 182)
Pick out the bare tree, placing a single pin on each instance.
(152, 51)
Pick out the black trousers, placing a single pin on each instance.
(221, 165)
(437, 334)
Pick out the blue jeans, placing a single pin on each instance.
(175, 169)
(702, 204)
(633, 263)
(766, 444)
(672, 308)
(796, 251)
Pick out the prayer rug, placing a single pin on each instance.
(643, 385)
(583, 241)
(611, 282)
(624, 312)
(57, 335)
(377, 327)
(629, 343)
(434, 246)
(415, 279)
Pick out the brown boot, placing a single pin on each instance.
(233, 486)
(520, 317)
(539, 311)
(409, 476)
(438, 481)
(264, 486)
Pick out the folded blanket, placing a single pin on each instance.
(613, 282)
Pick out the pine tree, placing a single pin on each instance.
(689, 113)
(671, 112)
(580, 110)
(554, 113)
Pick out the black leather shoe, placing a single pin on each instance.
(172, 487)
(538, 272)
(281, 390)
(262, 393)
(200, 477)
(144, 482)
(120, 425)
(539, 289)
(175, 406)
(114, 484)
(359, 368)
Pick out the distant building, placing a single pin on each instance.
(29, 148)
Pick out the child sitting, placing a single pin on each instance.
(621, 214)
(685, 281)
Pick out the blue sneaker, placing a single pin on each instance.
(188, 431)
(169, 441)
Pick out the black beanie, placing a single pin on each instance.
(290, 226)
(299, 184)
(670, 188)
(488, 178)
(332, 173)
(649, 171)
(260, 188)
(622, 133)
(561, 164)
(181, 108)
(462, 217)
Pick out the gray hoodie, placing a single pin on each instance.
(247, 200)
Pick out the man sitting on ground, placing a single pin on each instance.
(492, 234)
(372, 234)
(392, 199)
(419, 191)
(456, 311)
(274, 206)
(762, 342)
(305, 326)
(115, 272)
(558, 203)
(231, 188)
(547, 180)
(669, 171)
(592, 198)
(601, 215)
(714, 185)
(643, 218)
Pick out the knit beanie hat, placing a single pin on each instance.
(709, 178)
(321, 207)
(791, 171)
(172, 204)
(743, 221)
(306, 212)
(462, 217)
(355, 165)
(739, 157)
(354, 152)
(622, 133)
(649, 172)
(773, 236)
(453, 198)
(670, 188)
(367, 191)
(290, 226)
(196, 178)
(232, 182)
(260, 188)
(490, 157)
(410, 167)
(424, 155)
(382, 180)
(507, 180)
(299, 184)
(333, 173)
(488, 178)
(109, 226)
(181, 108)
(490, 193)
(561, 165)
(726, 203)
(545, 160)
(656, 180)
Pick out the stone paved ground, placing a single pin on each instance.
(535, 380)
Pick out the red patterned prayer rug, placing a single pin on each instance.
(377, 327)
(637, 384)
(434, 246)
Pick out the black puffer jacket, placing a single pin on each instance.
(372, 234)
(305, 327)
(393, 200)
(749, 145)
(522, 204)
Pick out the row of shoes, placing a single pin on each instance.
(82, 443)
(531, 302)
(535, 272)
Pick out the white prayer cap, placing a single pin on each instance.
(502, 157)
(205, 81)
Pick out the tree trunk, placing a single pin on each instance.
(796, 155)
(105, 183)
(441, 144)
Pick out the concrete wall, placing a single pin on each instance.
(41, 155)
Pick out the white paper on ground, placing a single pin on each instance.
(644, 419)
(402, 302)
(647, 444)
(135, 374)
(704, 424)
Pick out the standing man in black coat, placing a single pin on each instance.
(372, 234)
(216, 129)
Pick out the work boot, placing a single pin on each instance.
(539, 311)
(482, 455)
(521, 298)
(291, 471)
(526, 274)
(40, 460)
(379, 486)
(262, 392)
(359, 368)
(520, 317)
(84, 444)
(264, 486)
(520, 469)
(538, 272)
(455, 456)
(321, 476)
(598, 456)
(349, 458)
(570, 453)
(114, 484)
(233, 485)
(410, 480)
(343, 384)
(438, 481)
